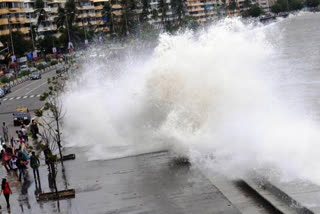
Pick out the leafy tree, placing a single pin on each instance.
(66, 16)
(129, 19)
(247, 4)
(178, 8)
(107, 12)
(163, 8)
(232, 5)
(154, 14)
(39, 4)
(190, 22)
(312, 3)
(286, 5)
(52, 113)
(145, 10)
(295, 5)
(48, 42)
(21, 45)
(253, 11)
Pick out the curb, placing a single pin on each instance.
(274, 195)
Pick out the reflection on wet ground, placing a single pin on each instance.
(139, 184)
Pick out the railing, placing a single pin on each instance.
(89, 7)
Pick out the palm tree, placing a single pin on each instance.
(107, 12)
(41, 13)
(178, 8)
(66, 16)
(145, 10)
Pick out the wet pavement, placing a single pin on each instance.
(149, 183)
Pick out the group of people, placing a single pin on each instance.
(15, 156)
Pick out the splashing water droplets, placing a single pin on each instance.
(210, 96)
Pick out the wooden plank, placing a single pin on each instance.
(64, 194)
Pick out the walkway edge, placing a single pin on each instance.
(276, 194)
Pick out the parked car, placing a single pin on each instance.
(35, 76)
(44, 63)
(2, 93)
(24, 68)
(6, 88)
(60, 69)
(21, 116)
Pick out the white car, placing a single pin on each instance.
(1, 93)
(24, 68)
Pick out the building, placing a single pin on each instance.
(205, 10)
(13, 17)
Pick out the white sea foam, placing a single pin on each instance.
(212, 97)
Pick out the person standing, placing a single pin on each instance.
(35, 163)
(34, 129)
(5, 189)
(5, 131)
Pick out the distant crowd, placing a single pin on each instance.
(16, 156)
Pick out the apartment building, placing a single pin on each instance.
(264, 4)
(205, 10)
(13, 17)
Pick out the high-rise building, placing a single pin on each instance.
(204, 10)
(13, 17)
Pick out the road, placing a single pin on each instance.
(25, 94)
(149, 183)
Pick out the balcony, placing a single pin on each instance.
(196, 9)
(56, 1)
(116, 6)
(20, 20)
(16, 10)
(4, 32)
(29, 10)
(99, 7)
(117, 13)
(88, 7)
(24, 30)
(32, 20)
(4, 21)
(100, 1)
(195, 4)
(4, 11)
(10, 1)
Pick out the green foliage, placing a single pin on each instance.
(47, 43)
(295, 5)
(312, 3)
(253, 11)
(190, 22)
(39, 4)
(44, 96)
(145, 10)
(53, 62)
(232, 5)
(41, 67)
(286, 5)
(163, 8)
(107, 13)
(178, 8)
(24, 73)
(21, 45)
(5, 79)
(154, 14)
